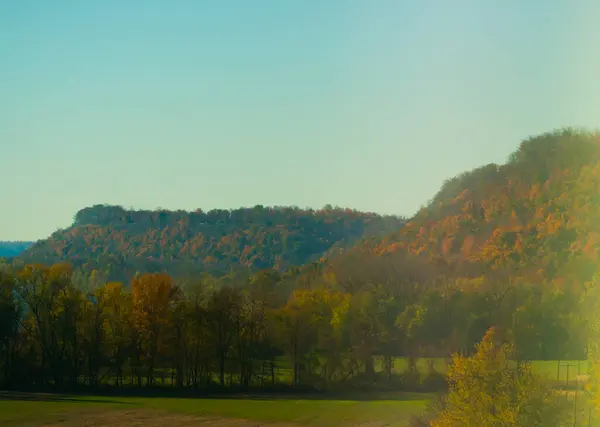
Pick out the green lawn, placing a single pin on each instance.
(393, 409)
(549, 368)
(22, 409)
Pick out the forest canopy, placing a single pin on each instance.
(121, 242)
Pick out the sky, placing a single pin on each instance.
(227, 103)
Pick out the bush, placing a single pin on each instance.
(410, 380)
(434, 381)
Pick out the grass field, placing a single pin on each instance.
(34, 410)
(549, 368)
(546, 367)
(367, 410)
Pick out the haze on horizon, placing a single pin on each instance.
(368, 105)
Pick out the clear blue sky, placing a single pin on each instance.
(368, 104)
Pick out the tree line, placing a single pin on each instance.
(120, 242)
(239, 332)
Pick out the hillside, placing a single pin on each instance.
(12, 249)
(120, 242)
(512, 246)
(535, 219)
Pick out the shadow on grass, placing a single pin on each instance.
(46, 397)
(346, 396)
(285, 395)
(104, 396)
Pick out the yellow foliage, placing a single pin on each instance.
(486, 391)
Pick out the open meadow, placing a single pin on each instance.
(33, 410)
(389, 410)
(348, 409)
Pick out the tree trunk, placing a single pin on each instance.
(412, 363)
(388, 362)
(222, 370)
(369, 365)
(272, 372)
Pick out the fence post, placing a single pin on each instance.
(575, 404)
(558, 372)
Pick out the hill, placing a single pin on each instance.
(512, 246)
(120, 242)
(12, 249)
(534, 219)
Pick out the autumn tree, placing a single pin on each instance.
(222, 309)
(94, 334)
(198, 333)
(52, 310)
(593, 314)
(487, 390)
(114, 304)
(412, 322)
(297, 331)
(152, 299)
(251, 321)
(362, 325)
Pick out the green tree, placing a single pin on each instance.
(222, 308)
(10, 317)
(116, 327)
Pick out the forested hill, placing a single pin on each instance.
(535, 219)
(118, 242)
(11, 249)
